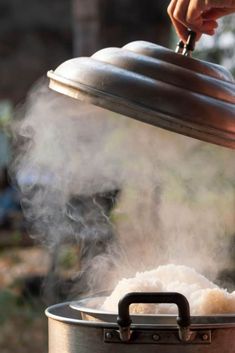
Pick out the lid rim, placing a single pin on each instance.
(174, 124)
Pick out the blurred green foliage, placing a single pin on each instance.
(68, 257)
(6, 113)
(12, 304)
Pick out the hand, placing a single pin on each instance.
(199, 15)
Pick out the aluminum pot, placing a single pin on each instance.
(69, 333)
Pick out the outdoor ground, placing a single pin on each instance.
(22, 320)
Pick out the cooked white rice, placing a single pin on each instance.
(205, 297)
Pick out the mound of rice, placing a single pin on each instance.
(205, 297)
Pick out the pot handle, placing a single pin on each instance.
(183, 320)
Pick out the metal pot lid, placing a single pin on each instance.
(157, 86)
(90, 310)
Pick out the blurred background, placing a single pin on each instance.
(36, 36)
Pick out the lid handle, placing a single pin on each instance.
(187, 48)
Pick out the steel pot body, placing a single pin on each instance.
(68, 333)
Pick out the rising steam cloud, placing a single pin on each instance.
(174, 195)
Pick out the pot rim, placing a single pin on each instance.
(83, 306)
(64, 313)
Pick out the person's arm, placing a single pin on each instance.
(199, 15)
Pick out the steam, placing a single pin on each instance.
(131, 196)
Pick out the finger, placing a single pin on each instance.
(180, 11)
(171, 8)
(198, 24)
(205, 27)
(197, 9)
(210, 33)
(219, 4)
(179, 18)
(208, 26)
(180, 29)
(217, 13)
